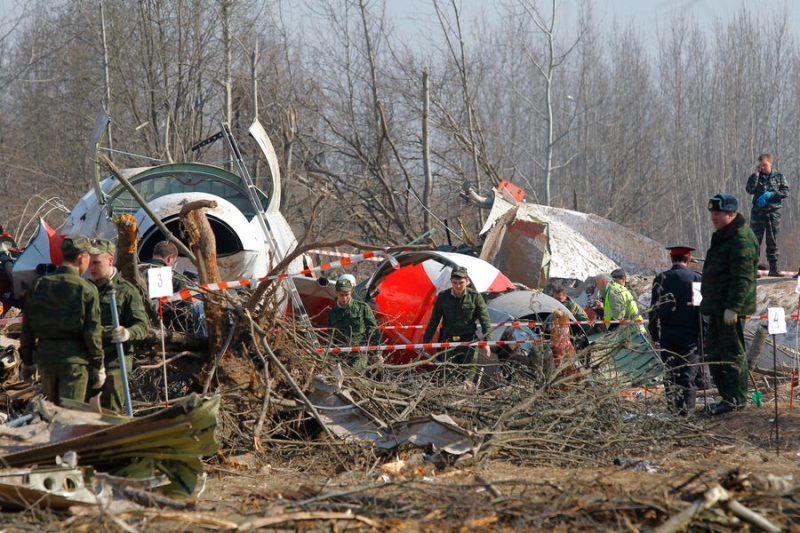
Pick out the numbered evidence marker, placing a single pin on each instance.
(697, 296)
(776, 319)
(159, 282)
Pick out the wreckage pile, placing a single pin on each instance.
(409, 450)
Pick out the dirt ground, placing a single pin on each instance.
(329, 486)
(333, 487)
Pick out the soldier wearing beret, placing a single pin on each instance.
(353, 324)
(459, 309)
(61, 332)
(675, 324)
(133, 320)
(729, 294)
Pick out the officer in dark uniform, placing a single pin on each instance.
(675, 324)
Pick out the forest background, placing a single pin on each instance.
(638, 126)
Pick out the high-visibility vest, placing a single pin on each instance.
(631, 307)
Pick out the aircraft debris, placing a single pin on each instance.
(170, 442)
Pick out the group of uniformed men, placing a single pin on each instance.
(68, 334)
(728, 295)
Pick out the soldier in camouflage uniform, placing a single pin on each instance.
(61, 327)
(729, 294)
(353, 324)
(458, 309)
(132, 320)
(768, 188)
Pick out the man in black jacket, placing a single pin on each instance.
(675, 325)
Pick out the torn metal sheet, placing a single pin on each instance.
(169, 442)
(52, 487)
(439, 431)
(351, 422)
(574, 246)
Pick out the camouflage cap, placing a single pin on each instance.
(103, 246)
(459, 272)
(72, 245)
(344, 285)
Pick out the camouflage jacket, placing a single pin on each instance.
(774, 182)
(354, 325)
(131, 312)
(577, 311)
(458, 315)
(62, 321)
(729, 271)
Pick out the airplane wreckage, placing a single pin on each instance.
(525, 245)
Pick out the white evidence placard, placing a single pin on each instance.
(159, 282)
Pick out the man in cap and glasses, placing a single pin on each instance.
(675, 324)
(61, 327)
(459, 309)
(133, 320)
(352, 323)
(729, 294)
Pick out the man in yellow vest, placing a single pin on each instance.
(616, 302)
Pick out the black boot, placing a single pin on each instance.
(773, 271)
(689, 402)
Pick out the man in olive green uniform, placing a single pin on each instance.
(132, 319)
(729, 294)
(353, 324)
(61, 327)
(458, 309)
(560, 294)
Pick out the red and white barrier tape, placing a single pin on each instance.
(16, 320)
(515, 324)
(330, 253)
(784, 273)
(352, 259)
(426, 346)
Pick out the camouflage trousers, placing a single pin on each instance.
(64, 380)
(462, 362)
(727, 359)
(769, 222)
(113, 390)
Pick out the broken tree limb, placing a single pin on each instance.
(115, 171)
(751, 517)
(681, 521)
(127, 260)
(257, 294)
(305, 516)
(204, 246)
(716, 494)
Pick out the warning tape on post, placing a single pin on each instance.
(15, 320)
(426, 346)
